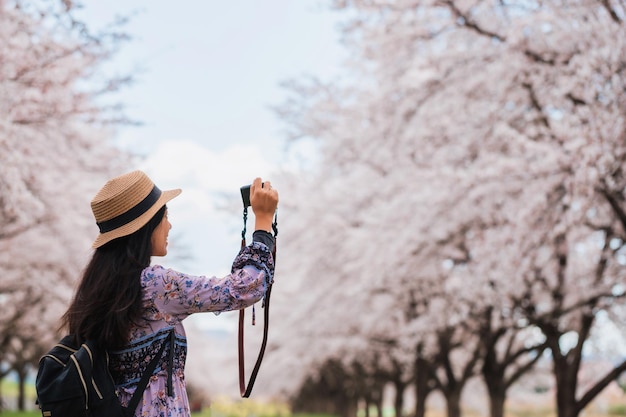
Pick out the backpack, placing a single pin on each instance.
(75, 381)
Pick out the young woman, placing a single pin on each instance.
(131, 306)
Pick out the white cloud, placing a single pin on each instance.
(193, 165)
(209, 180)
(208, 234)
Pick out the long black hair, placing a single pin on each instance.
(108, 300)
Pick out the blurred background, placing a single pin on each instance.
(452, 217)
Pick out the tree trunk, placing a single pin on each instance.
(453, 403)
(379, 407)
(493, 376)
(374, 398)
(566, 366)
(423, 382)
(422, 389)
(566, 382)
(21, 391)
(377, 399)
(346, 407)
(496, 404)
(420, 407)
(400, 387)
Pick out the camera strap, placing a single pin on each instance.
(246, 390)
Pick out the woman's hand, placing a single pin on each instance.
(264, 200)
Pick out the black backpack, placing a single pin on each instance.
(76, 382)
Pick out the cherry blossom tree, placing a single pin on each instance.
(53, 156)
(471, 175)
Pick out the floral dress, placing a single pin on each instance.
(169, 297)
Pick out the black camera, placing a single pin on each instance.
(245, 195)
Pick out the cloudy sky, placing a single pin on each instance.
(207, 74)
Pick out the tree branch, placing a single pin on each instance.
(470, 23)
(614, 201)
(599, 386)
(614, 16)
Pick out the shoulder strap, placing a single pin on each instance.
(145, 378)
(245, 391)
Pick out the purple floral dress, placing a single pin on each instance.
(169, 297)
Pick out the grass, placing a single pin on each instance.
(619, 411)
(222, 407)
(205, 413)
(219, 407)
(10, 389)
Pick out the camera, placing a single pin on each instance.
(245, 195)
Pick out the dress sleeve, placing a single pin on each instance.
(178, 294)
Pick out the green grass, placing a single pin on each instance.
(617, 410)
(10, 389)
(205, 413)
(219, 408)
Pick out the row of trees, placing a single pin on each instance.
(53, 156)
(467, 216)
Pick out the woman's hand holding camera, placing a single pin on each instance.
(264, 200)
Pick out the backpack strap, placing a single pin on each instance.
(145, 378)
(170, 363)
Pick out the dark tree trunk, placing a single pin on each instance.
(421, 396)
(453, 384)
(21, 399)
(379, 407)
(496, 403)
(494, 368)
(423, 383)
(493, 376)
(420, 408)
(453, 403)
(374, 398)
(378, 398)
(566, 376)
(346, 407)
(400, 387)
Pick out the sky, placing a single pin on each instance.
(206, 76)
(207, 71)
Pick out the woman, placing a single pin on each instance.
(130, 307)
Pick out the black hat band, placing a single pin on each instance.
(127, 217)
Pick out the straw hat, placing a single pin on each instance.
(125, 204)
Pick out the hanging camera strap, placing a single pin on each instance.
(246, 390)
